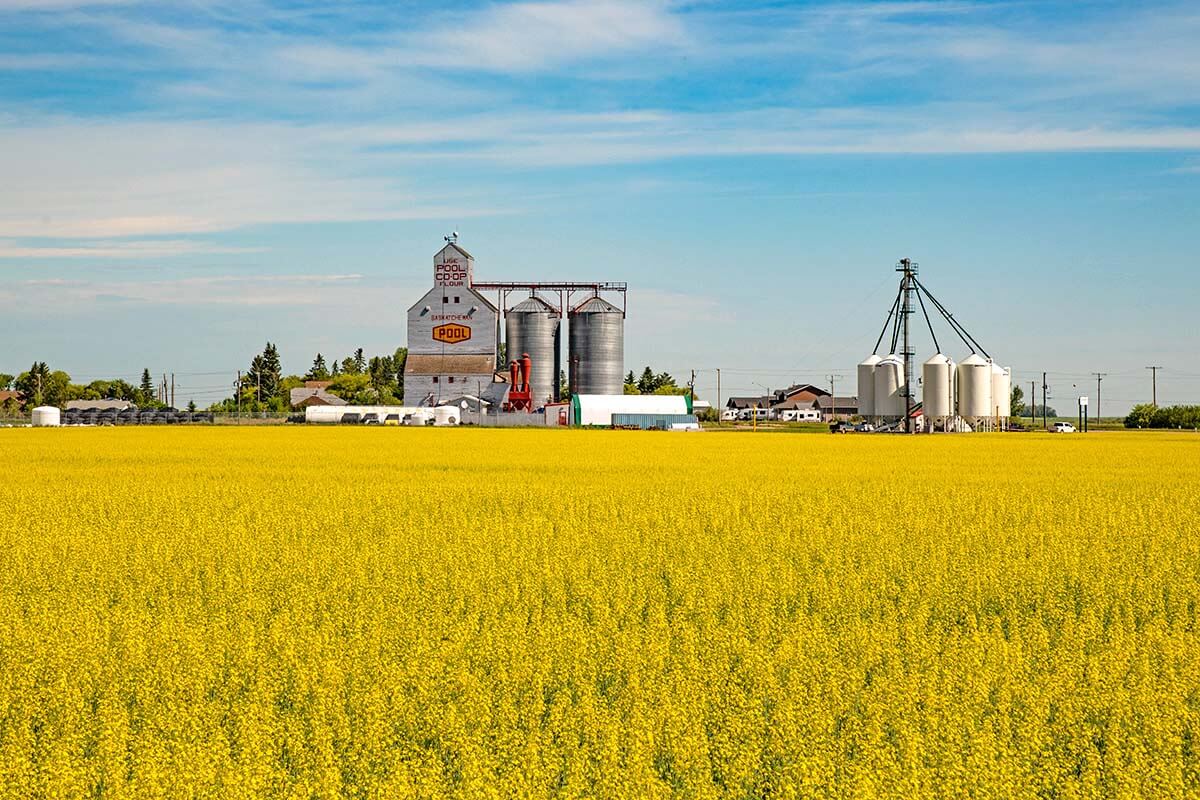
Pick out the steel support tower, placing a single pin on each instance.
(908, 284)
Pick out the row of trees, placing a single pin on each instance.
(653, 383)
(1021, 409)
(357, 379)
(1146, 415)
(41, 386)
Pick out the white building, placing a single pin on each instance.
(451, 336)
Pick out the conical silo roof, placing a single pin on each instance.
(596, 305)
(533, 305)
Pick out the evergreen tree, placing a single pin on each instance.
(318, 371)
(145, 395)
(360, 363)
(254, 379)
(399, 359)
(647, 383)
(337, 370)
(272, 373)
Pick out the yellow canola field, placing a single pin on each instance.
(389, 613)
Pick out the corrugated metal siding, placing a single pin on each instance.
(651, 421)
(597, 348)
(594, 409)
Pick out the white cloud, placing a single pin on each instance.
(89, 180)
(153, 248)
(504, 38)
(58, 5)
(531, 36)
(226, 290)
(81, 178)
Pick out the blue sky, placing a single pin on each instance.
(183, 181)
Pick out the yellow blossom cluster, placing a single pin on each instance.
(384, 613)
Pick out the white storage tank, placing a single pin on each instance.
(446, 415)
(937, 382)
(974, 387)
(418, 418)
(866, 385)
(47, 417)
(1001, 392)
(889, 388)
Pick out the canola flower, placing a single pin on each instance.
(299, 613)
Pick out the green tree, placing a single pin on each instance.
(191, 406)
(253, 379)
(145, 395)
(651, 383)
(646, 384)
(272, 373)
(1140, 416)
(381, 374)
(1018, 402)
(41, 387)
(354, 389)
(318, 371)
(6, 381)
(399, 359)
(360, 363)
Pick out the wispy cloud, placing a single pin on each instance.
(167, 179)
(226, 290)
(153, 248)
(125, 179)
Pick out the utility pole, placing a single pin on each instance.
(237, 393)
(833, 397)
(1043, 400)
(1032, 404)
(172, 390)
(692, 388)
(720, 410)
(1099, 377)
(1153, 385)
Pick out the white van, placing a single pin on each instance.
(801, 415)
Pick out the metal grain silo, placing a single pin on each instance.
(889, 388)
(974, 388)
(1001, 406)
(533, 326)
(866, 385)
(937, 390)
(597, 348)
(46, 417)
